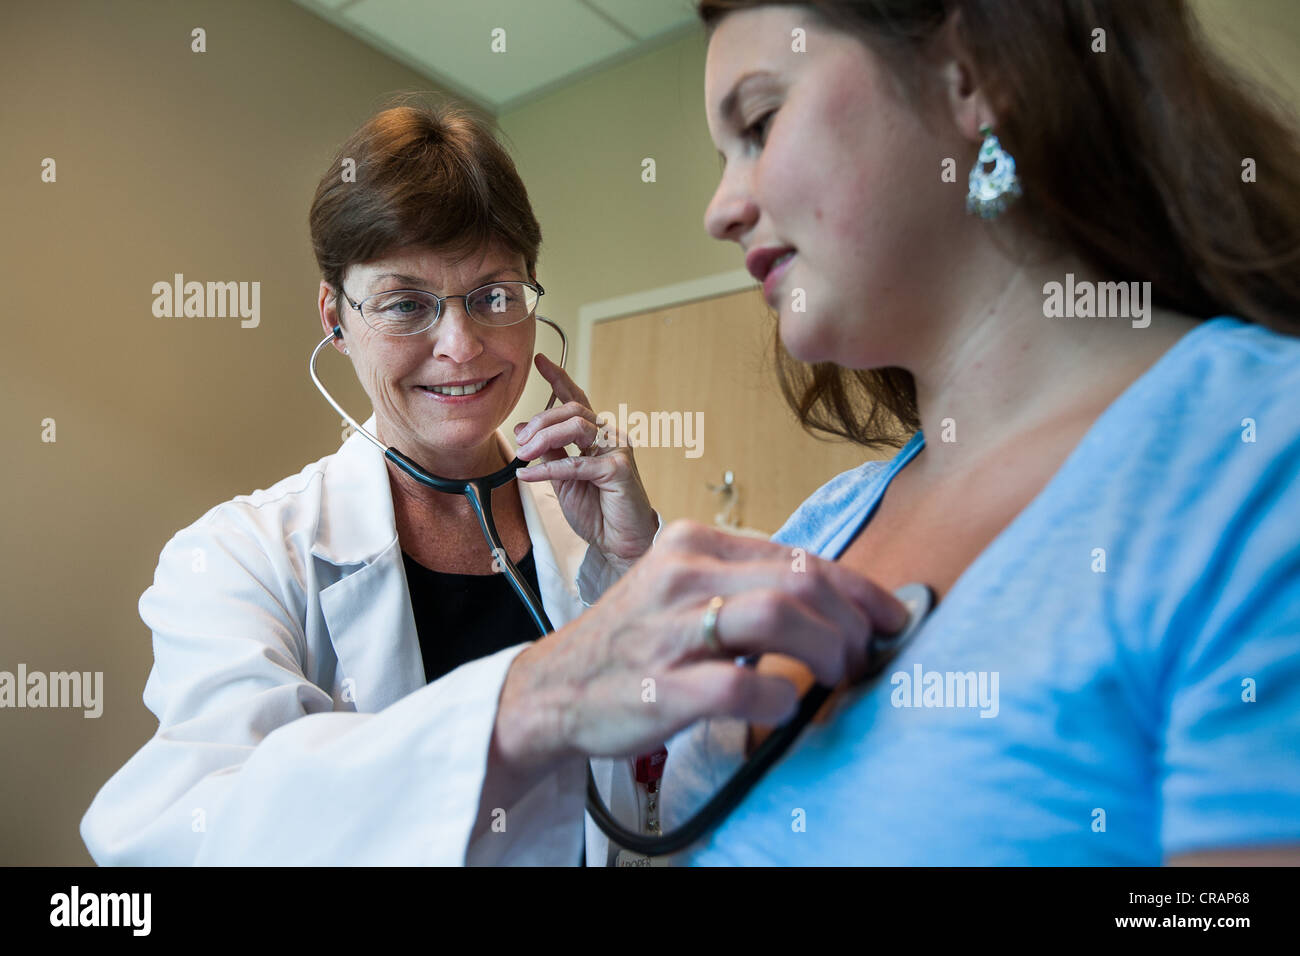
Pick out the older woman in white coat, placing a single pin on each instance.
(328, 652)
(340, 676)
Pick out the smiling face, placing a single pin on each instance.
(824, 159)
(446, 434)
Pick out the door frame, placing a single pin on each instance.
(663, 297)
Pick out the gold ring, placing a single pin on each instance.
(711, 624)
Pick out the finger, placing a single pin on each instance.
(571, 431)
(565, 388)
(885, 611)
(814, 589)
(564, 467)
(793, 670)
(552, 416)
(721, 689)
(554, 454)
(707, 539)
(761, 622)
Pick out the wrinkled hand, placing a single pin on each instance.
(637, 667)
(600, 490)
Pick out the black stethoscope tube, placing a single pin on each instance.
(479, 493)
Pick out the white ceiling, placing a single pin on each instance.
(549, 43)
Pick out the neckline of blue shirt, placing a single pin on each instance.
(1148, 380)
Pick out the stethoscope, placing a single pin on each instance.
(918, 598)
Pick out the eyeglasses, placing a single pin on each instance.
(408, 311)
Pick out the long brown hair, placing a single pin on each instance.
(1159, 130)
(427, 172)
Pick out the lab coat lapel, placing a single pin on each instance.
(364, 594)
(363, 591)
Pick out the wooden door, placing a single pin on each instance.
(710, 362)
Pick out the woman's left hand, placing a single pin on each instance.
(600, 490)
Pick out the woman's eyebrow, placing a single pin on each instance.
(727, 108)
(399, 276)
(495, 273)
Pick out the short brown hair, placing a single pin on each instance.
(1158, 130)
(427, 173)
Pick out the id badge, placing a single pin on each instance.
(628, 858)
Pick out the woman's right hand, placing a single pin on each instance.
(635, 669)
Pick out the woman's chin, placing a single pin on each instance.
(455, 433)
(805, 343)
(460, 434)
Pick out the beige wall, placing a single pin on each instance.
(167, 161)
(1262, 37)
(605, 232)
(170, 161)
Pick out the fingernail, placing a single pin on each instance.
(519, 426)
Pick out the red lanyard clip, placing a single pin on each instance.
(650, 768)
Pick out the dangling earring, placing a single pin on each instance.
(991, 191)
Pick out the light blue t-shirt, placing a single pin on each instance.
(1114, 680)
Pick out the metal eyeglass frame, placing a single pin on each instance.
(439, 299)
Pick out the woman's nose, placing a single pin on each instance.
(731, 212)
(455, 335)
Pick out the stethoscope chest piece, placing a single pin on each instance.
(920, 600)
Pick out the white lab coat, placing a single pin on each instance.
(294, 722)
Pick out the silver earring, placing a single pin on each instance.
(346, 350)
(991, 191)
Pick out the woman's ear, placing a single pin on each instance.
(327, 303)
(965, 98)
